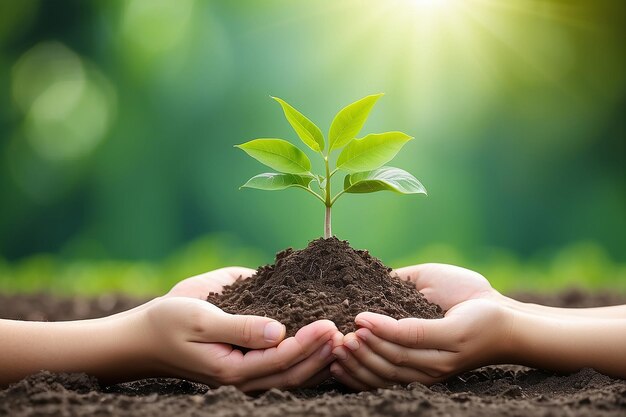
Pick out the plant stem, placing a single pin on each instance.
(327, 220)
(327, 230)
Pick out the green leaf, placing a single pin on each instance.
(383, 179)
(308, 132)
(271, 181)
(349, 121)
(371, 152)
(277, 154)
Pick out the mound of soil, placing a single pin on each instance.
(490, 391)
(326, 280)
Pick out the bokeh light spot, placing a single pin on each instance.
(44, 66)
(68, 104)
(156, 26)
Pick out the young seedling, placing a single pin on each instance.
(362, 159)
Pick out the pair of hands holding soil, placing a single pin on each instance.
(480, 327)
(182, 335)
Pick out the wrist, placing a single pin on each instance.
(108, 348)
(547, 342)
(111, 348)
(508, 326)
(133, 351)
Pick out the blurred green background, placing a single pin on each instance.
(118, 120)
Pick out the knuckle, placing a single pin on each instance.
(400, 358)
(414, 333)
(226, 376)
(444, 369)
(195, 321)
(280, 364)
(243, 328)
(234, 380)
(291, 381)
(391, 374)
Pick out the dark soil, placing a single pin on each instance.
(489, 391)
(326, 280)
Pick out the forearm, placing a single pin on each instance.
(612, 312)
(568, 344)
(109, 348)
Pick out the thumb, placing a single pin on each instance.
(411, 332)
(253, 332)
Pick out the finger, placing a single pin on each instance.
(341, 375)
(358, 372)
(295, 376)
(263, 362)
(396, 370)
(428, 365)
(337, 339)
(413, 273)
(411, 332)
(220, 278)
(228, 275)
(253, 332)
(200, 286)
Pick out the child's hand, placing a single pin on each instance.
(447, 285)
(201, 285)
(474, 332)
(190, 338)
(179, 335)
(385, 351)
(202, 336)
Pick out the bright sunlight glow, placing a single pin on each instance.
(429, 4)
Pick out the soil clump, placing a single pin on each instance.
(326, 280)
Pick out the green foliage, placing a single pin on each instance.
(310, 134)
(278, 154)
(273, 181)
(385, 178)
(371, 152)
(58, 275)
(361, 158)
(349, 121)
(580, 265)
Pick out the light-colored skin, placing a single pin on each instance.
(178, 335)
(480, 327)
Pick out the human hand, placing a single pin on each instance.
(447, 285)
(475, 331)
(298, 361)
(184, 337)
(200, 286)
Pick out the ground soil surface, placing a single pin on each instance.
(489, 391)
(326, 280)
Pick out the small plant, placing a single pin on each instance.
(362, 159)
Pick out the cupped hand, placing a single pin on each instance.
(200, 286)
(474, 332)
(447, 285)
(194, 339)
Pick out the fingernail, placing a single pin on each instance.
(363, 334)
(363, 323)
(352, 344)
(273, 332)
(340, 353)
(325, 352)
